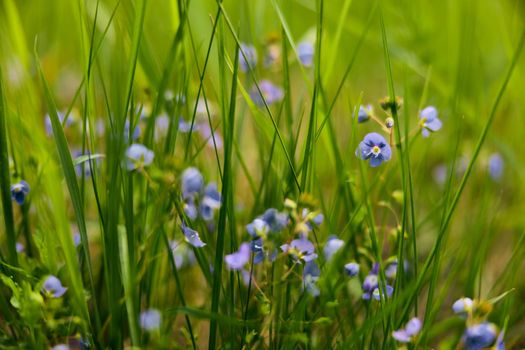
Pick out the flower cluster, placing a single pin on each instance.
(479, 333)
(372, 285)
(374, 147)
(268, 237)
(199, 200)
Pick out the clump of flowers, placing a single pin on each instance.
(479, 333)
(372, 287)
(199, 201)
(285, 231)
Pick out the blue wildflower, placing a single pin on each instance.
(192, 236)
(371, 282)
(364, 113)
(429, 121)
(190, 209)
(440, 174)
(192, 182)
(332, 246)
(391, 269)
(136, 131)
(19, 191)
(311, 273)
(305, 51)
(61, 118)
(480, 336)
(407, 334)
(374, 148)
(352, 269)
(258, 228)
(150, 320)
(215, 140)
(249, 59)
(496, 166)
(300, 248)
(53, 287)
(238, 259)
(77, 241)
(20, 247)
(463, 306)
(162, 124)
(138, 156)
(270, 92)
(387, 292)
(276, 220)
(210, 202)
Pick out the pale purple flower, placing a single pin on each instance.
(136, 131)
(305, 51)
(150, 320)
(463, 306)
(192, 182)
(374, 148)
(20, 247)
(352, 269)
(496, 165)
(210, 202)
(332, 246)
(364, 113)
(387, 292)
(270, 92)
(238, 259)
(138, 156)
(61, 118)
(407, 334)
(247, 57)
(311, 273)
(429, 121)
(53, 287)
(300, 248)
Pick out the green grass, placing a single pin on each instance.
(110, 66)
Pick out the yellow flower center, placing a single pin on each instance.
(376, 150)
